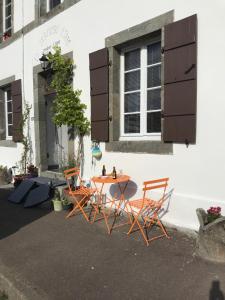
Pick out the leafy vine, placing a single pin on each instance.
(67, 106)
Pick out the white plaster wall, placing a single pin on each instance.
(11, 62)
(197, 172)
(24, 11)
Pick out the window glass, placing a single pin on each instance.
(7, 17)
(141, 109)
(154, 76)
(132, 60)
(8, 10)
(154, 53)
(132, 78)
(132, 102)
(132, 81)
(132, 123)
(54, 3)
(154, 122)
(9, 106)
(8, 22)
(10, 118)
(10, 127)
(154, 99)
(8, 111)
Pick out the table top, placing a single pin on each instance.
(109, 179)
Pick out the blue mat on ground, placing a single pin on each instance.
(53, 182)
(19, 194)
(37, 195)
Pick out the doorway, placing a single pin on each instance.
(53, 136)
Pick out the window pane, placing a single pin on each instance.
(132, 81)
(9, 95)
(8, 23)
(132, 60)
(154, 99)
(132, 123)
(132, 102)
(154, 53)
(9, 106)
(54, 3)
(10, 130)
(154, 122)
(8, 11)
(9, 118)
(154, 76)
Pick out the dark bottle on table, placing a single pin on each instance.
(114, 173)
(103, 171)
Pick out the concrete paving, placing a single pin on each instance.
(45, 256)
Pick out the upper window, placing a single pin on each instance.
(7, 18)
(52, 3)
(8, 112)
(141, 90)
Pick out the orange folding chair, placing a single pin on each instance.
(81, 194)
(145, 211)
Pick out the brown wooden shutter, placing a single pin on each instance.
(17, 110)
(180, 87)
(99, 79)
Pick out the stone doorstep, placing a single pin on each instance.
(52, 174)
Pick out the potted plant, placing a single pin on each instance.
(6, 35)
(57, 203)
(213, 213)
(4, 175)
(66, 204)
(211, 235)
(32, 170)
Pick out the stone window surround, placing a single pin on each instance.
(3, 83)
(114, 44)
(39, 20)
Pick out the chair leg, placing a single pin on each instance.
(163, 228)
(72, 212)
(143, 233)
(132, 226)
(80, 207)
(114, 221)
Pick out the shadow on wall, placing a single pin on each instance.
(15, 216)
(165, 209)
(215, 292)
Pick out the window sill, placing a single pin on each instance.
(7, 143)
(150, 137)
(151, 147)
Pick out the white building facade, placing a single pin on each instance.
(140, 135)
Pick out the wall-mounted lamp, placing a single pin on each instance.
(45, 64)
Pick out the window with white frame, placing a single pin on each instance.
(141, 90)
(8, 112)
(7, 17)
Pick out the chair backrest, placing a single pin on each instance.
(161, 183)
(70, 174)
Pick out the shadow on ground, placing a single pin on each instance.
(14, 216)
(215, 291)
(72, 259)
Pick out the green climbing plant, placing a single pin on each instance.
(67, 106)
(25, 139)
